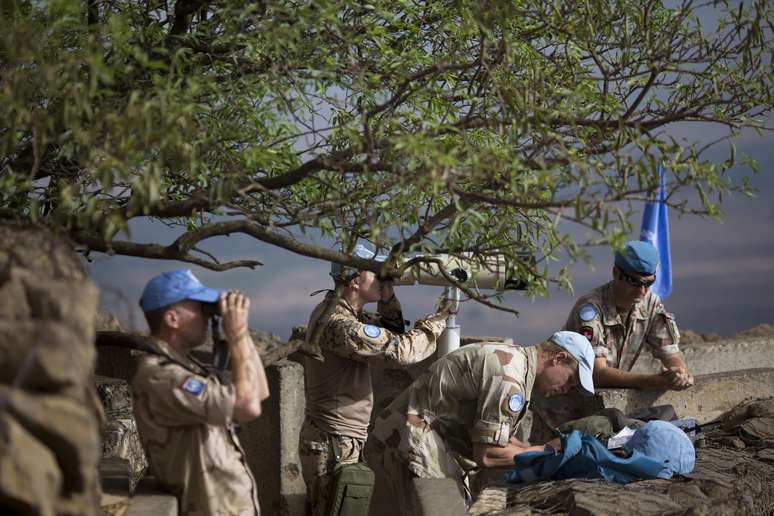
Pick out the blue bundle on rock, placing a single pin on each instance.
(658, 450)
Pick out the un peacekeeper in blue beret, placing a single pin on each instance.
(464, 412)
(185, 414)
(620, 319)
(339, 394)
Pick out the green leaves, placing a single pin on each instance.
(465, 126)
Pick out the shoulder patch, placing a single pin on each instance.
(516, 402)
(372, 331)
(194, 386)
(587, 332)
(587, 312)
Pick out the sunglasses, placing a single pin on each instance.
(637, 282)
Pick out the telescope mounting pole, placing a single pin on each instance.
(449, 340)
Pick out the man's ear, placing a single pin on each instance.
(355, 281)
(171, 317)
(561, 358)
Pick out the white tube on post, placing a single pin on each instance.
(449, 340)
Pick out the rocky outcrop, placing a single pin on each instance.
(49, 412)
(726, 480)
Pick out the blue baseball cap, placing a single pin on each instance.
(580, 348)
(638, 257)
(170, 287)
(360, 251)
(664, 442)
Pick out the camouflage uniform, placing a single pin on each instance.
(618, 340)
(184, 418)
(477, 394)
(339, 395)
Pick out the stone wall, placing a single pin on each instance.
(49, 413)
(271, 442)
(747, 350)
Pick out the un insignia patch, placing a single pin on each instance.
(194, 386)
(587, 312)
(516, 402)
(372, 331)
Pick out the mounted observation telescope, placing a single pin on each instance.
(488, 273)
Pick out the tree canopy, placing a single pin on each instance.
(463, 126)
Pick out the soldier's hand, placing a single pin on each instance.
(234, 308)
(682, 380)
(676, 378)
(555, 443)
(444, 305)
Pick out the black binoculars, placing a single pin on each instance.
(211, 309)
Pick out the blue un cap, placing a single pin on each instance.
(667, 444)
(173, 286)
(360, 251)
(638, 257)
(580, 348)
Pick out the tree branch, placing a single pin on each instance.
(172, 252)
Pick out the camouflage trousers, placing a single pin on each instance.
(320, 452)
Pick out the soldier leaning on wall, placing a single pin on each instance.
(339, 395)
(185, 414)
(622, 316)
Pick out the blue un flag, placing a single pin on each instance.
(655, 229)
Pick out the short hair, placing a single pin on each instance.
(347, 279)
(155, 318)
(550, 349)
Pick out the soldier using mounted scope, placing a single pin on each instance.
(185, 413)
(339, 395)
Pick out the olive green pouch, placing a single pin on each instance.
(351, 490)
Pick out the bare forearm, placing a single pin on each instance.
(616, 378)
(674, 360)
(248, 376)
(247, 369)
(487, 456)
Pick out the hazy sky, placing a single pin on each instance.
(723, 272)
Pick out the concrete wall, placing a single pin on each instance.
(712, 394)
(271, 442)
(720, 356)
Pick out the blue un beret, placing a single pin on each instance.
(638, 257)
(171, 287)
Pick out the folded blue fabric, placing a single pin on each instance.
(583, 456)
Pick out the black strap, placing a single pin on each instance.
(333, 442)
(171, 360)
